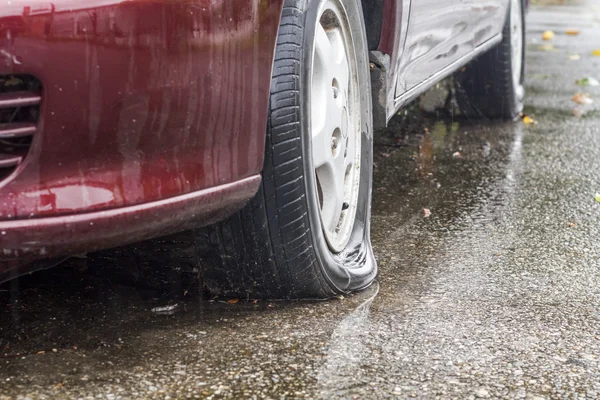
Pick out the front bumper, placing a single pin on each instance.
(23, 241)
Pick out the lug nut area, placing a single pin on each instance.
(336, 141)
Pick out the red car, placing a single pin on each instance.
(124, 120)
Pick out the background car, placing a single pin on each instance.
(124, 121)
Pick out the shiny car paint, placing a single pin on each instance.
(433, 38)
(153, 112)
(141, 101)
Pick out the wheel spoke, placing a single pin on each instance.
(323, 49)
(331, 178)
(340, 67)
(322, 135)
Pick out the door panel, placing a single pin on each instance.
(488, 17)
(440, 32)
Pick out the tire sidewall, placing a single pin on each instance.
(517, 102)
(354, 267)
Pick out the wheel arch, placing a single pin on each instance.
(374, 17)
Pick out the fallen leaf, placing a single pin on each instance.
(546, 47)
(581, 98)
(426, 213)
(457, 155)
(596, 52)
(41, 352)
(165, 310)
(548, 35)
(527, 120)
(587, 82)
(597, 197)
(580, 110)
(572, 32)
(232, 301)
(574, 57)
(572, 225)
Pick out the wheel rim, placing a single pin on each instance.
(516, 43)
(335, 125)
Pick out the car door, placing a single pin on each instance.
(439, 34)
(488, 19)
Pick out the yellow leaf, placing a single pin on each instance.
(546, 47)
(597, 197)
(232, 301)
(596, 52)
(572, 32)
(548, 35)
(527, 120)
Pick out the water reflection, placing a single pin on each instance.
(99, 305)
(64, 199)
(347, 348)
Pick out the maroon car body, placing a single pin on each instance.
(122, 120)
(151, 119)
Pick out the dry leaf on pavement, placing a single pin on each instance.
(596, 52)
(580, 110)
(581, 98)
(527, 120)
(548, 35)
(546, 47)
(597, 197)
(572, 32)
(426, 213)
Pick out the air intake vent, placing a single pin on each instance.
(20, 97)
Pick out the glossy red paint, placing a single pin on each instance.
(142, 100)
(390, 27)
(31, 239)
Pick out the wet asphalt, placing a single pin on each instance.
(495, 295)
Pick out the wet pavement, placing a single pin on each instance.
(495, 295)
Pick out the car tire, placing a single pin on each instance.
(492, 85)
(285, 244)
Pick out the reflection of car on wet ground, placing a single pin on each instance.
(124, 121)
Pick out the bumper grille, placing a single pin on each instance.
(20, 98)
